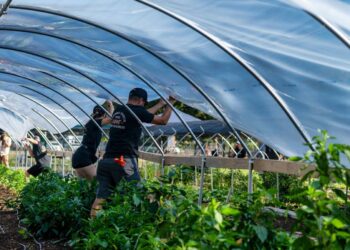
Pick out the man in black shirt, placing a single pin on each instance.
(241, 152)
(39, 153)
(120, 158)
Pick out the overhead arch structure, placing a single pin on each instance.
(277, 70)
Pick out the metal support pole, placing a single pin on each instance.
(4, 7)
(235, 56)
(201, 185)
(278, 186)
(52, 125)
(145, 48)
(231, 190)
(65, 97)
(162, 166)
(45, 138)
(211, 179)
(250, 176)
(157, 92)
(50, 111)
(92, 80)
(125, 66)
(62, 161)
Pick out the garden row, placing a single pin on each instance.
(162, 215)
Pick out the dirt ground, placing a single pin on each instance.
(10, 238)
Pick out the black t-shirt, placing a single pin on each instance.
(242, 153)
(92, 135)
(271, 154)
(125, 133)
(40, 155)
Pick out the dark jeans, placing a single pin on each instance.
(110, 173)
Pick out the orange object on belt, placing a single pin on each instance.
(120, 161)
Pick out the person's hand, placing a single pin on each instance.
(162, 102)
(172, 100)
(109, 103)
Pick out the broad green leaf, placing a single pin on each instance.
(295, 158)
(230, 211)
(261, 232)
(338, 223)
(136, 200)
(347, 153)
(218, 217)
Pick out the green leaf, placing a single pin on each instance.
(338, 223)
(261, 232)
(303, 243)
(295, 158)
(136, 200)
(218, 217)
(347, 153)
(230, 211)
(345, 235)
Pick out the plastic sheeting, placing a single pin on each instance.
(12, 122)
(302, 64)
(200, 128)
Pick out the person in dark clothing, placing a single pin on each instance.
(240, 151)
(84, 158)
(120, 159)
(38, 152)
(271, 154)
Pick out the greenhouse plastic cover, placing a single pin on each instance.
(277, 70)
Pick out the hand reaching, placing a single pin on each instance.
(172, 100)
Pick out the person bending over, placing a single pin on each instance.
(120, 159)
(84, 158)
(39, 153)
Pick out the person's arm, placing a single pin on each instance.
(156, 107)
(110, 109)
(32, 141)
(29, 150)
(164, 118)
(7, 142)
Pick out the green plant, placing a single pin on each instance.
(12, 179)
(159, 215)
(289, 187)
(323, 222)
(52, 206)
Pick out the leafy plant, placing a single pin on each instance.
(322, 221)
(52, 206)
(164, 216)
(12, 179)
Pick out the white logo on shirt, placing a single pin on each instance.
(118, 120)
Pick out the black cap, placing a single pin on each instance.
(98, 111)
(139, 92)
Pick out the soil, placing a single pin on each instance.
(10, 238)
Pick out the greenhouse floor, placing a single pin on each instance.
(10, 237)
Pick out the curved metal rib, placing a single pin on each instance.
(330, 27)
(119, 63)
(4, 7)
(92, 80)
(52, 125)
(60, 94)
(50, 111)
(268, 87)
(159, 57)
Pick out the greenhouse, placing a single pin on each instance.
(244, 116)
